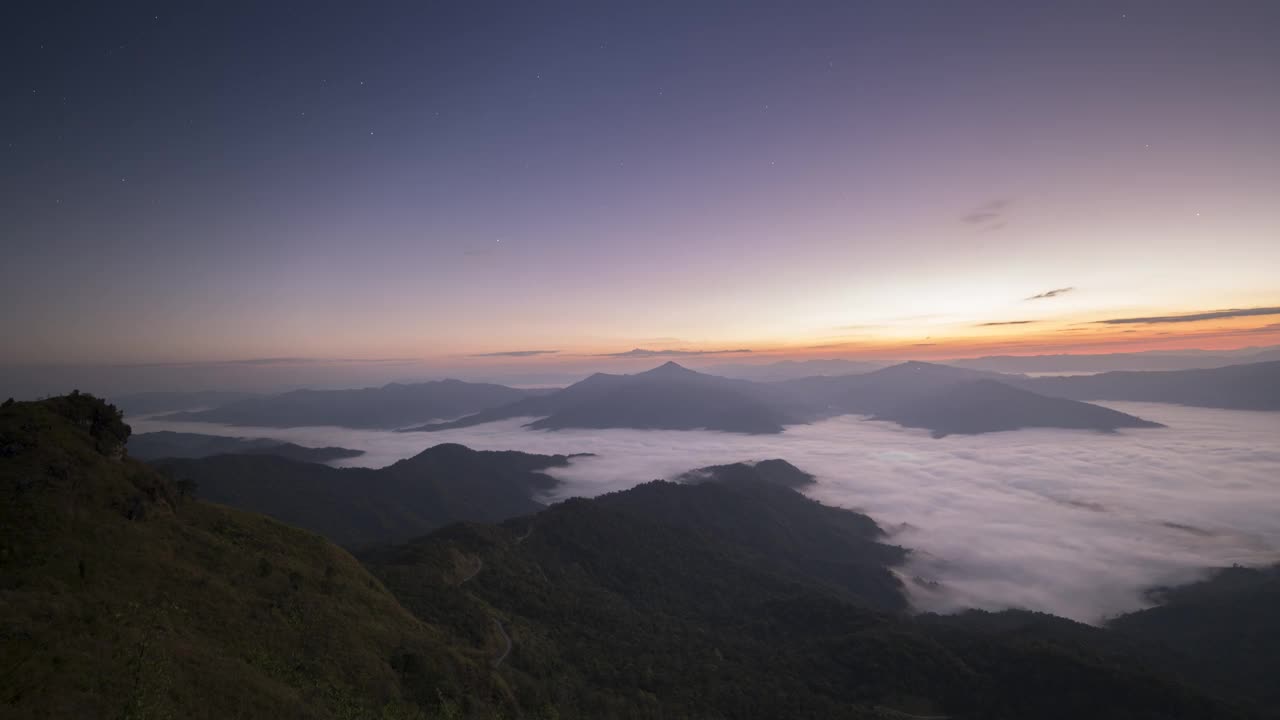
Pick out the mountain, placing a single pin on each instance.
(360, 506)
(741, 598)
(1107, 362)
(950, 400)
(123, 597)
(940, 398)
(791, 369)
(1253, 386)
(168, 444)
(389, 406)
(982, 406)
(668, 397)
(776, 472)
(1224, 631)
(149, 403)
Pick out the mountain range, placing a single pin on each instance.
(361, 506)
(168, 444)
(942, 399)
(123, 595)
(390, 406)
(671, 397)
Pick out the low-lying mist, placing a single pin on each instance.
(1074, 523)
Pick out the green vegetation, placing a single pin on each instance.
(673, 600)
(732, 597)
(362, 506)
(121, 599)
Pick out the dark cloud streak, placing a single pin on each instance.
(1051, 293)
(646, 353)
(1194, 317)
(516, 353)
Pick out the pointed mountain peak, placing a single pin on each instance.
(669, 369)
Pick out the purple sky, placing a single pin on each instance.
(437, 181)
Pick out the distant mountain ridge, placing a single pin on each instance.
(1253, 386)
(1151, 360)
(168, 444)
(390, 406)
(671, 397)
(362, 506)
(668, 397)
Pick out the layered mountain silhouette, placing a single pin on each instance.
(668, 397)
(983, 406)
(168, 444)
(389, 406)
(1253, 386)
(360, 506)
(939, 398)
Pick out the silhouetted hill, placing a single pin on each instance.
(360, 506)
(167, 444)
(982, 406)
(1223, 631)
(669, 397)
(744, 599)
(147, 403)
(389, 406)
(776, 472)
(121, 597)
(1255, 386)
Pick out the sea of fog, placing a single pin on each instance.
(1075, 523)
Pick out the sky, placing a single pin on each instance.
(536, 185)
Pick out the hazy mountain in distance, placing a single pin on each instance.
(1148, 360)
(672, 397)
(168, 444)
(775, 472)
(148, 403)
(1255, 386)
(668, 397)
(981, 406)
(791, 369)
(390, 406)
(360, 506)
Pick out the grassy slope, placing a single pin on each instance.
(120, 599)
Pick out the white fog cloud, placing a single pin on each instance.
(1069, 522)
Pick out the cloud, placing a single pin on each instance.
(1051, 293)
(644, 353)
(515, 353)
(277, 361)
(1194, 317)
(1007, 322)
(990, 214)
(1070, 522)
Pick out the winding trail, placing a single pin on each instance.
(507, 638)
(479, 567)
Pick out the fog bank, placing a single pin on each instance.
(1069, 522)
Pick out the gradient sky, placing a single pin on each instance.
(439, 181)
